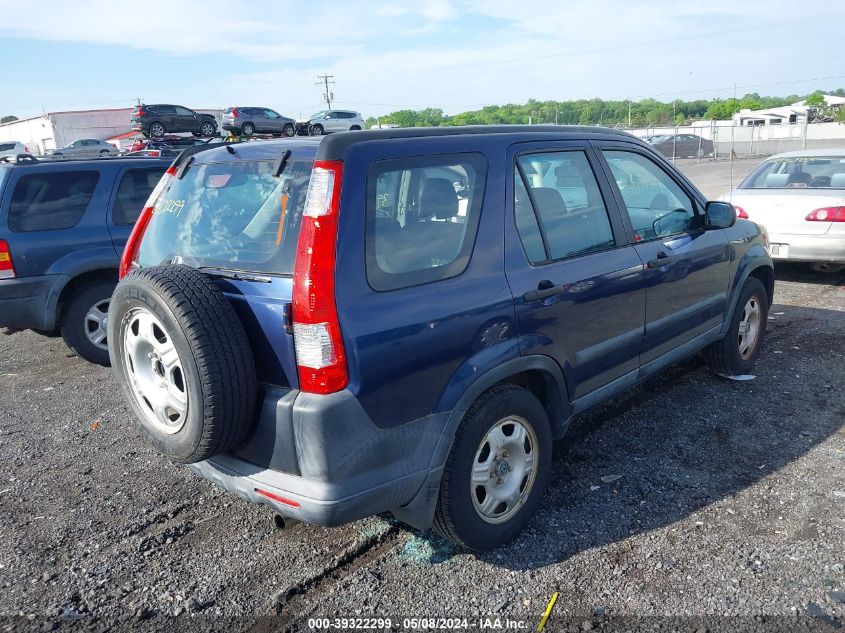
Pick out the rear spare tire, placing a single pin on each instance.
(183, 361)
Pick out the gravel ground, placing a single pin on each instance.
(690, 503)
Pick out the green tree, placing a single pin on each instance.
(815, 99)
(8, 119)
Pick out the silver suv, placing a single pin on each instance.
(328, 121)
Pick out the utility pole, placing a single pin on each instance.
(629, 115)
(328, 95)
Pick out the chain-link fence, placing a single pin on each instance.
(718, 140)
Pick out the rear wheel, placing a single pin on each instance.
(248, 129)
(355, 128)
(157, 128)
(737, 352)
(207, 128)
(183, 361)
(497, 470)
(84, 321)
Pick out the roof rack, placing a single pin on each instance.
(19, 159)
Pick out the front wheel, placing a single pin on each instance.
(737, 352)
(207, 129)
(317, 130)
(497, 470)
(84, 322)
(289, 130)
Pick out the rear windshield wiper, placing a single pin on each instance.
(280, 164)
(234, 274)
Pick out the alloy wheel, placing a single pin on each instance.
(96, 324)
(749, 328)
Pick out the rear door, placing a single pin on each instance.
(130, 191)
(55, 213)
(687, 268)
(578, 285)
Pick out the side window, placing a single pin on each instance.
(421, 218)
(165, 109)
(561, 187)
(656, 204)
(47, 201)
(183, 111)
(132, 192)
(526, 222)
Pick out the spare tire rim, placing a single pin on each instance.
(154, 371)
(504, 470)
(749, 328)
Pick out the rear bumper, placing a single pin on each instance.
(810, 248)
(30, 302)
(230, 127)
(329, 463)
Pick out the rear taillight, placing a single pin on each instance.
(139, 112)
(320, 357)
(7, 267)
(154, 153)
(827, 214)
(740, 213)
(130, 252)
(235, 113)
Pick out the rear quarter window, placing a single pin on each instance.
(51, 200)
(422, 216)
(135, 187)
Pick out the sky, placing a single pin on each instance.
(386, 56)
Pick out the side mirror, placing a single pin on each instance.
(719, 215)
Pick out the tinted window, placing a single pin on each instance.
(562, 188)
(5, 147)
(164, 109)
(184, 111)
(230, 215)
(47, 201)
(655, 203)
(422, 216)
(526, 222)
(134, 189)
(271, 114)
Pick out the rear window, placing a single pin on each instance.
(134, 189)
(48, 201)
(233, 215)
(804, 172)
(422, 217)
(5, 147)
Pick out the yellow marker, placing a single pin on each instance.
(547, 613)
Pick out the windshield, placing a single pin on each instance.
(804, 172)
(319, 114)
(234, 215)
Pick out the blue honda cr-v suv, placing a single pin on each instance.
(404, 320)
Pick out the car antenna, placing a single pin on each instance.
(280, 164)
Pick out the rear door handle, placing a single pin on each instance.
(663, 258)
(545, 289)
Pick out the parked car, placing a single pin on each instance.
(13, 148)
(63, 225)
(682, 145)
(328, 121)
(800, 198)
(84, 148)
(249, 121)
(160, 119)
(405, 319)
(167, 146)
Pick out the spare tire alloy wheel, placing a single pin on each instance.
(154, 370)
(183, 360)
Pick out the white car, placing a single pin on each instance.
(12, 148)
(799, 197)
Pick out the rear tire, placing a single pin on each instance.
(183, 361)
(207, 128)
(248, 129)
(83, 321)
(737, 352)
(488, 492)
(157, 129)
